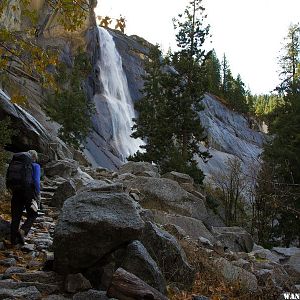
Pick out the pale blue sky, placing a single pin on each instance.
(249, 32)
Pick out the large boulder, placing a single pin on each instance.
(168, 254)
(167, 195)
(291, 258)
(192, 227)
(64, 191)
(137, 168)
(234, 238)
(236, 275)
(63, 168)
(92, 225)
(179, 177)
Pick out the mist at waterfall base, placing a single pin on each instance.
(114, 105)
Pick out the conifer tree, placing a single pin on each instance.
(191, 36)
(212, 74)
(168, 113)
(152, 125)
(283, 153)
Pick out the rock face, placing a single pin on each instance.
(234, 238)
(92, 225)
(229, 136)
(30, 133)
(167, 195)
(50, 34)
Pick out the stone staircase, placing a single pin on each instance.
(22, 271)
(48, 189)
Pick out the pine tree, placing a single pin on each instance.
(191, 36)
(212, 74)
(283, 153)
(226, 76)
(152, 125)
(168, 113)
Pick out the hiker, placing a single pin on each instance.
(105, 22)
(23, 179)
(120, 24)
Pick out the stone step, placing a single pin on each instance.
(49, 188)
(49, 194)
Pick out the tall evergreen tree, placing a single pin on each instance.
(168, 113)
(152, 125)
(191, 35)
(212, 74)
(283, 153)
(226, 75)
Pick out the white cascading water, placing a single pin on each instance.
(116, 93)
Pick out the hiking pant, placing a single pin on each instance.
(21, 199)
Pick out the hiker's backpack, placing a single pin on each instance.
(19, 173)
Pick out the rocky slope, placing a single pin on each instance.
(230, 136)
(116, 236)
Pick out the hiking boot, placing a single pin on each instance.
(21, 235)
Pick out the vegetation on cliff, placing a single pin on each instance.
(168, 113)
(69, 105)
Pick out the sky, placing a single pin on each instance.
(250, 32)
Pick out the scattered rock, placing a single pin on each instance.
(175, 230)
(126, 286)
(4, 229)
(91, 295)
(266, 254)
(138, 262)
(286, 251)
(28, 247)
(234, 238)
(56, 297)
(168, 254)
(205, 242)
(167, 196)
(200, 298)
(236, 275)
(63, 168)
(137, 168)
(8, 262)
(76, 283)
(242, 263)
(126, 176)
(30, 292)
(64, 191)
(13, 270)
(193, 227)
(149, 174)
(179, 177)
(41, 277)
(294, 262)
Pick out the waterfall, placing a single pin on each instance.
(116, 94)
